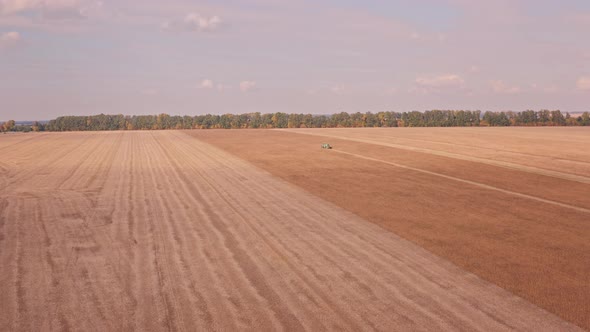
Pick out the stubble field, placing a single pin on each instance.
(511, 205)
(391, 230)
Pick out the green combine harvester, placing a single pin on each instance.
(326, 146)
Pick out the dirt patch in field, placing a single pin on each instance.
(535, 249)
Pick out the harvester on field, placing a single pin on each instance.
(326, 146)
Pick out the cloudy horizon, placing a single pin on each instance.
(82, 57)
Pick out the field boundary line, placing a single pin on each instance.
(505, 164)
(481, 185)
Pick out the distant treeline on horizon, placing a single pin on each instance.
(434, 118)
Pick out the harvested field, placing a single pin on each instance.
(160, 231)
(511, 205)
(552, 151)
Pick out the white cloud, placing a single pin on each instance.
(474, 69)
(193, 22)
(206, 84)
(583, 83)
(210, 84)
(9, 39)
(432, 37)
(449, 80)
(501, 87)
(48, 9)
(246, 86)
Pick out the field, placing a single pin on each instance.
(397, 229)
(510, 205)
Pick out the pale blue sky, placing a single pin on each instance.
(61, 57)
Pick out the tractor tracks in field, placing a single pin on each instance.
(473, 183)
(499, 163)
(515, 152)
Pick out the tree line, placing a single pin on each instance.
(11, 125)
(433, 118)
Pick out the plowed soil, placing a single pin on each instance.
(511, 205)
(154, 231)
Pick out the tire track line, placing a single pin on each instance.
(473, 183)
(505, 164)
(378, 138)
(151, 315)
(160, 247)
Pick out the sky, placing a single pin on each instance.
(81, 57)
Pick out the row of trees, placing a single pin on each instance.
(532, 118)
(11, 125)
(270, 120)
(434, 118)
